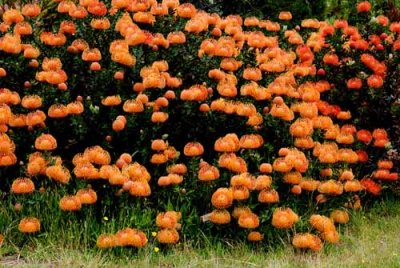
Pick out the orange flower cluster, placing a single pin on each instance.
(123, 238)
(52, 72)
(326, 227)
(164, 153)
(307, 241)
(7, 150)
(168, 223)
(383, 171)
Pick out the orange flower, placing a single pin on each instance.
(31, 10)
(75, 108)
(23, 28)
(284, 218)
(159, 145)
(263, 182)
(144, 17)
(139, 5)
(159, 9)
(194, 93)
(233, 163)
(29, 225)
(118, 178)
(293, 177)
(133, 106)
(168, 220)
(248, 220)
(97, 9)
(93, 54)
(7, 159)
(111, 100)
(186, 10)
(140, 189)
(346, 175)
(180, 169)
(285, 15)
(331, 187)
(159, 158)
(31, 52)
(57, 111)
(70, 203)
(124, 58)
(171, 3)
(353, 186)
(87, 196)
(309, 185)
(230, 64)
(340, 216)
(208, 172)
(170, 179)
(11, 44)
(252, 141)
(106, 241)
(79, 45)
(254, 236)
(227, 144)
(168, 236)
(52, 39)
(265, 168)
(268, 196)
(307, 240)
(240, 193)
(322, 223)
(385, 164)
(6, 144)
(175, 38)
(245, 179)
(238, 211)
(58, 173)
(100, 24)
(310, 23)
(131, 237)
(193, 149)
(11, 16)
(22, 186)
(220, 216)
(332, 237)
(222, 198)
(67, 27)
(45, 142)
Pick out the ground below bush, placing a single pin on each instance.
(371, 240)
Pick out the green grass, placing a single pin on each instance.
(371, 240)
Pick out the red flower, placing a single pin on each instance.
(371, 186)
(375, 81)
(362, 156)
(364, 135)
(354, 83)
(364, 6)
(331, 59)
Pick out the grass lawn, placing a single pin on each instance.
(371, 240)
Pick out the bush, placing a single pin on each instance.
(190, 125)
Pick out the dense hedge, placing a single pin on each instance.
(235, 127)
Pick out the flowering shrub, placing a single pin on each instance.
(137, 117)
